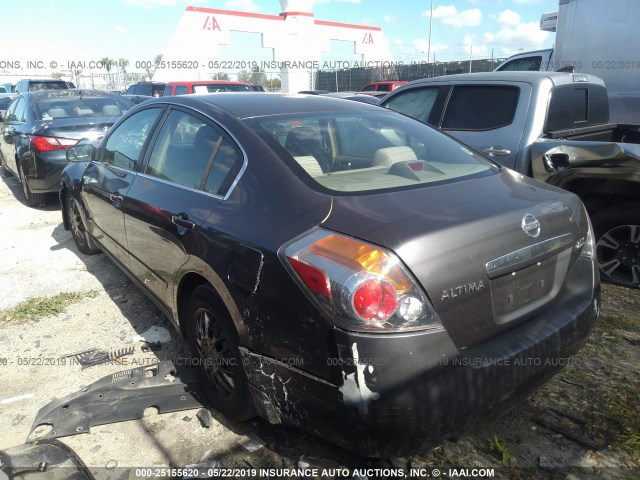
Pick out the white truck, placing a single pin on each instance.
(598, 38)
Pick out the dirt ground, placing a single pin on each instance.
(585, 423)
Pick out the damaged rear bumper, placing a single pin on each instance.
(406, 393)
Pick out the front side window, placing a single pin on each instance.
(417, 103)
(124, 145)
(477, 107)
(369, 88)
(363, 151)
(181, 90)
(183, 150)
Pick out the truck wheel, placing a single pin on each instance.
(33, 199)
(214, 343)
(617, 231)
(78, 229)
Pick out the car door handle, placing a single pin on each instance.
(182, 220)
(115, 197)
(497, 150)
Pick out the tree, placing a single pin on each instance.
(255, 77)
(273, 84)
(56, 75)
(123, 63)
(76, 74)
(156, 61)
(220, 76)
(107, 63)
(244, 76)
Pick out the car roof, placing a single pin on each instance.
(558, 78)
(259, 104)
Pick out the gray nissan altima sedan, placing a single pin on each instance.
(337, 266)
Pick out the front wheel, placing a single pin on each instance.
(78, 229)
(617, 232)
(33, 199)
(214, 343)
(4, 171)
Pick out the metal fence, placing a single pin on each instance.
(355, 78)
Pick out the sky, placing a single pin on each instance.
(138, 30)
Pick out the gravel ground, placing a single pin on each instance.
(39, 259)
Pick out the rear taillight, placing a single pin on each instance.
(361, 286)
(49, 144)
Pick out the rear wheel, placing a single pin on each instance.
(617, 232)
(214, 342)
(33, 199)
(78, 229)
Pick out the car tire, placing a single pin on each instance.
(617, 231)
(33, 199)
(78, 229)
(214, 343)
(4, 171)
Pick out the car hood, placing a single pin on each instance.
(466, 245)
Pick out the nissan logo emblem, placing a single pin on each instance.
(530, 225)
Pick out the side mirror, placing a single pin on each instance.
(81, 153)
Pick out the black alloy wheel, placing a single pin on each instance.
(214, 343)
(78, 229)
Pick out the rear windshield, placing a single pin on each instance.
(81, 106)
(36, 86)
(212, 88)
(361, 151)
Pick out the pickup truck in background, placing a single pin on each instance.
(596, 38)
(554, 127)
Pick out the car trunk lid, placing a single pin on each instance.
(489, 252)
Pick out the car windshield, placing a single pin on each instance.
(221, 87)
(346, 152)
(86, 105)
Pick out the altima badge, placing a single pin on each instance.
(530, 225)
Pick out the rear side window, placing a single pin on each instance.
(125, 143)
(181, 90)
(17, 112)
(480, 107)
(183, 150)
(416, 103)
(167, 90)
(579, 105)
(522, 64)
(225, 168)
(384, 87)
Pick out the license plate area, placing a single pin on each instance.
(520, 292)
